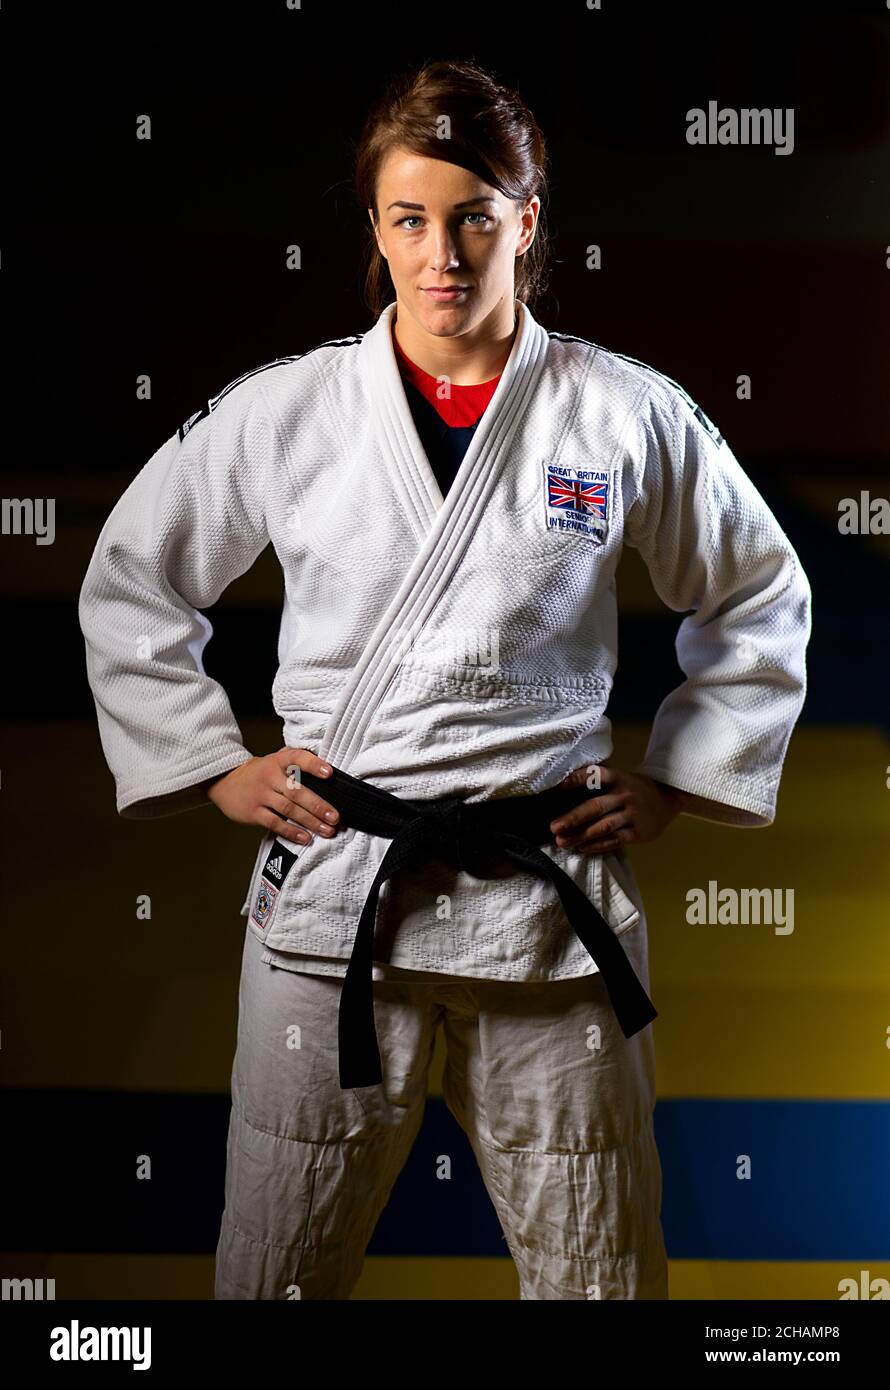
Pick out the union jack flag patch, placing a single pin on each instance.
(576, 500)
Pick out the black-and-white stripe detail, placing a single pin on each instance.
(704, 420)
(214, 401)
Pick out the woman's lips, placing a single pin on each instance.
(446, 296)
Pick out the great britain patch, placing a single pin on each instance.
(577, 500)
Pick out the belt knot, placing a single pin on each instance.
(455, 833)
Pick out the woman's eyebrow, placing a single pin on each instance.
(421, 207)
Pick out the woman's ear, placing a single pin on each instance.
(376, 233)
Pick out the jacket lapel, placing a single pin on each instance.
(443, 527)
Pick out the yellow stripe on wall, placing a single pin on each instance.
(191, 1277)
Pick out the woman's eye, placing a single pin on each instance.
(414, 218)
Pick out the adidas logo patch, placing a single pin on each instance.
(278, 864)
(273, 867)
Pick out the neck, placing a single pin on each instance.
(467, 359)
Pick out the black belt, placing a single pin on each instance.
(463, 833)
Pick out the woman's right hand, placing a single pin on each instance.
(262, 792)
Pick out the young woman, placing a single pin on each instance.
(448, 494)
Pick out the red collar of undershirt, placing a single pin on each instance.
(466, 404)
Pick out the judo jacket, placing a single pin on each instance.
(457, 647)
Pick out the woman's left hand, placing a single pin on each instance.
(630, 809)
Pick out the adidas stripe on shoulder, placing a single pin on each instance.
(704, 420)
(214, 401)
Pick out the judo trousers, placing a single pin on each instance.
(556, 1103)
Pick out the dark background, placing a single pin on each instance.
(123, 257)
(167, 257)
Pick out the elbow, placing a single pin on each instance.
(806, 598)
(800, 597)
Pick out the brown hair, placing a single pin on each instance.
(492, 133)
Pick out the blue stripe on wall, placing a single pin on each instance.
(818, 1190)
(819, 1186)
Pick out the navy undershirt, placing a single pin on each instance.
(443, 444)
(445, 427)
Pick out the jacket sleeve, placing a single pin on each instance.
(191, 521)
(715, 552)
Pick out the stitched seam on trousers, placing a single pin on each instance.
(601, 1256)
(502, 1206)
(540, 1249)
(295, 1246)
(560, 1153)
(513, 1236)
(505, 1211)
(292, 1139)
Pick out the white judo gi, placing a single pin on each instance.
(436, 648)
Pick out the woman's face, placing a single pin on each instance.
(440, 225)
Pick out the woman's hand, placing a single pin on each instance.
(262, 792)
(631, 808)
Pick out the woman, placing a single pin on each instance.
(448, 494)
